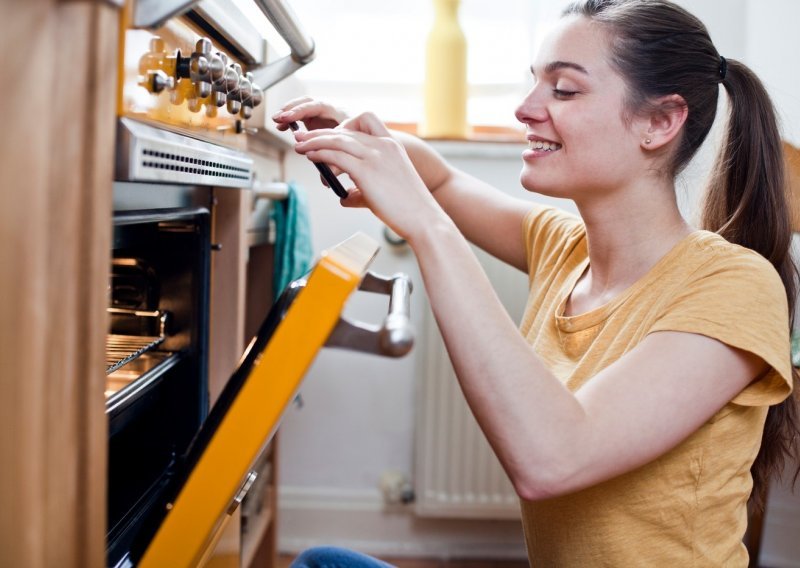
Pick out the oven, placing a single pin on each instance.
(192, 403)
(190, 147)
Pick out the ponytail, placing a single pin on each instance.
(747, 204)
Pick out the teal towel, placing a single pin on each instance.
(293, 250)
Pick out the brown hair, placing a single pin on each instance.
(661, 49)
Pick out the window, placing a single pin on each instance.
(371, 54)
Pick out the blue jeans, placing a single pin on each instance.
(334, 557)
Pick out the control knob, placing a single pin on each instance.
(252, 98)
(235, 95)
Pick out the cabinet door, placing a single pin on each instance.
(56, 161)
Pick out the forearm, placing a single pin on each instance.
(532, 421)
(469, 202)
(430, 165)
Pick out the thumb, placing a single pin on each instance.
(368, 123)
(354, 198)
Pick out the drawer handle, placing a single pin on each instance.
(249, 479)
(395, 337)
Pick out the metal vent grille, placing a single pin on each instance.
(150, 154)
(192, 165)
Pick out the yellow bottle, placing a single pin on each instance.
(445, 75)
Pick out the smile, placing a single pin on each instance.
(542, 145)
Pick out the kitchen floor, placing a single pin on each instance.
(285, 560)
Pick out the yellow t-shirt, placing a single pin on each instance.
(687, 507)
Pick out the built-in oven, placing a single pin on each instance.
(157, 353)
(191, 404)
(190, 139)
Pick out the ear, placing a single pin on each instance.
(664, 121)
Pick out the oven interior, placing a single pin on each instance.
(156, 393)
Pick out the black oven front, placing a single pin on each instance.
(157, 345)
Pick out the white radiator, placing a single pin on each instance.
(457, 474)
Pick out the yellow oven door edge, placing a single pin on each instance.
(203, 502)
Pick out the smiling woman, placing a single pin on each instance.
(628, 409)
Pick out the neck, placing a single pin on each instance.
(628, 232)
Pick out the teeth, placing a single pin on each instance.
(541, 145)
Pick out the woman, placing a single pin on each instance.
(629, 412)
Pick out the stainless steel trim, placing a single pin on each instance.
(395, 337)
(230, 22)
(149, 154)
(153, 13)
(285, 21)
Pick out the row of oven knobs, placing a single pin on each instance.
(213, 79)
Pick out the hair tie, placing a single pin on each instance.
(723, 67)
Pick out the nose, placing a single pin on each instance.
(531, 109)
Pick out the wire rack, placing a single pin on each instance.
(121, 349)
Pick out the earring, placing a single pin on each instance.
(647, 141)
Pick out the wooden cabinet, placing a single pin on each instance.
(56, 172)
(56, 160)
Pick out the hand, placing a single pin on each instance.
(385, 178)
(314, 114)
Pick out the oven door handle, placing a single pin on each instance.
(301, 45)
(395, 337)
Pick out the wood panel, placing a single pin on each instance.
(56, 159)
(228, 273)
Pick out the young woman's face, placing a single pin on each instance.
(579, 143)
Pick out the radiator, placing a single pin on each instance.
(456, 472)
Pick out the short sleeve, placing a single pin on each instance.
(739, 299)
(547, 232)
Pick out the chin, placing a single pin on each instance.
(544, 187)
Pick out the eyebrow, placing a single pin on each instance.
(554, 66)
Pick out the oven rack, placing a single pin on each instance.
(122, 348)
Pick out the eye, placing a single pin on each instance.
(562, 94)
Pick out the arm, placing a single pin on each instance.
(549, 440)
(466, 199)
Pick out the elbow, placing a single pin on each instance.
(540, 483)
(531, 490)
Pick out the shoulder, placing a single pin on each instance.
(550, 233)
(735, 269)
(546, 219)
(734, 295)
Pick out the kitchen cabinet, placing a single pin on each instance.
(56, 161)
(56, 174)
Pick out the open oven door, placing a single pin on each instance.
(214, 474)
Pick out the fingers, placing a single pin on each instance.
(337, 160)
(352, 143)
(290, 105)
(315, 114)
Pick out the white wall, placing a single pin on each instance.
(358, 417)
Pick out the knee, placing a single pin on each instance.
(319, 557)
(335, 557)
